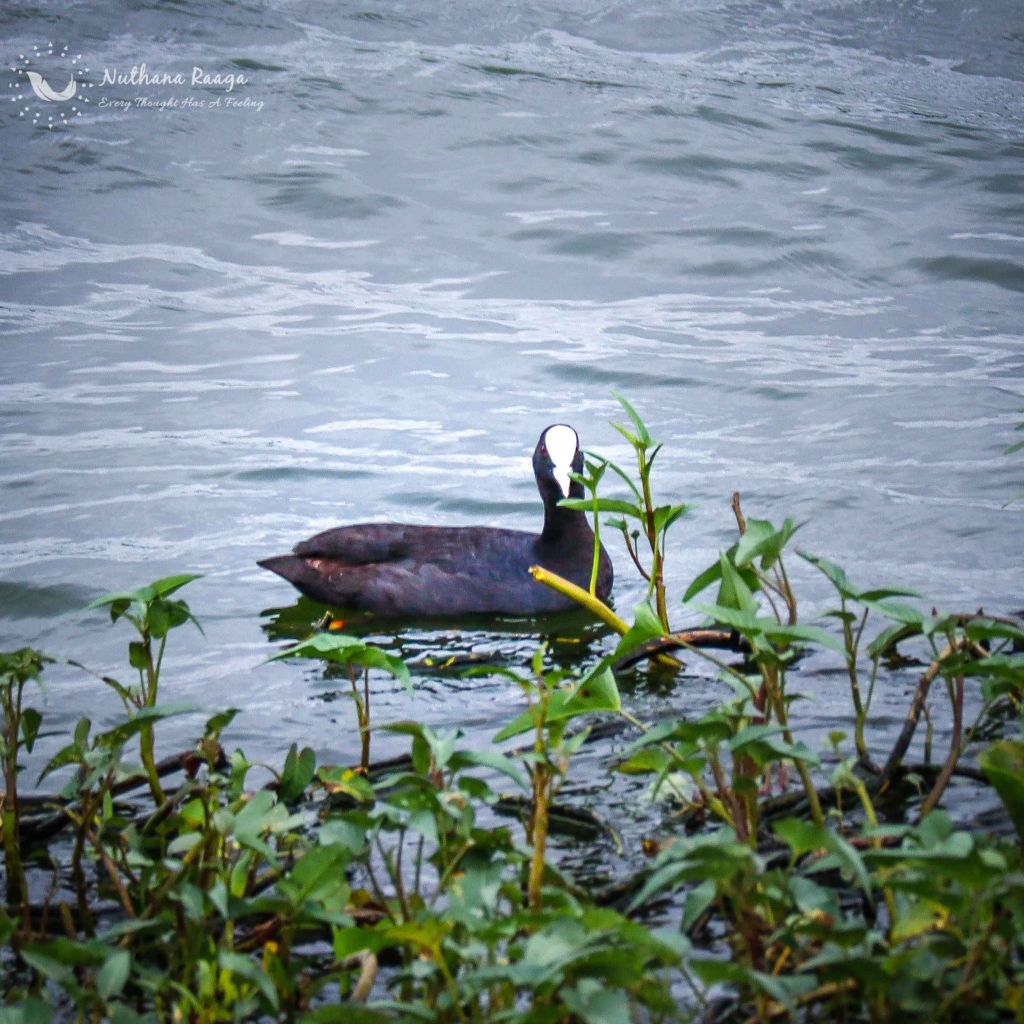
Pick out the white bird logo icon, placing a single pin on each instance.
(43, 90)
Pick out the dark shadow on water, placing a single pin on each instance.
(449, 645)
(27, 601)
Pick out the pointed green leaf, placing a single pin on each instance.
(112, 976)
(646, 626)
(641, 430)
(624, 508)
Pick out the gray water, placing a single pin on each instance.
(791, 233)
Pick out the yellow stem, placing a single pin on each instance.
(580, 596)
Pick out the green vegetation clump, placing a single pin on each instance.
(376, 894)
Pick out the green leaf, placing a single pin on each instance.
(183, 843)
(835, 574)
(8, 926)
(762, 540)
(810, 897)
(782, 988)
(703, 580)
(889, 637)
(297, 774)
(803, 634)
(119, 1013)
(343, 832)
(646, 626)
(32, 1010)
(354, 940)
(319, 875)
(641, 430)
(123, 731)
(137, 655)
(241, 965)
(881, 593)
(802, 837)
(1003, 765)
(71, 754)
(347, 650)
(989, 629)
(113, 975)
(143, 595)
(744, 622)
(596, 691)
(339, 780)
(47, 966)
(765, 743)
(734, 592)
(492, 759)
(666, 515)
(630, 437)
(698, 899)
(898, 611)
(119, 602)
(219, 722)
(169, 584)
(645, 761)
(252, 820)
(30, 722)
(594, 1003)
(624, 508)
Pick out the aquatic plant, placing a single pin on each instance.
(810, 885)
(152, 613)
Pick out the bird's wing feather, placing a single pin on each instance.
(469, 550)
(364, 544)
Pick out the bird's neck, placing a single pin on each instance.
(563, 523)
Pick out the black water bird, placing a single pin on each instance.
(399, 570)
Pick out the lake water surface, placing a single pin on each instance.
(359, 284)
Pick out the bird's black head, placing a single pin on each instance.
(556, 455)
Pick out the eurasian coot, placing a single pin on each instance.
(399, 570)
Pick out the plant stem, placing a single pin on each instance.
(580, 596)
(146, 742)
(539, 835)
(741, 522)
(113, 873)
(17, 887)
(657, 576)
(540, 776)
(779, 706)
(850, 643)
(597, 547)
(362, 703)
(632, 553)
(954, 750)
(913, 715)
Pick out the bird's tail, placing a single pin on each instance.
(301, 575)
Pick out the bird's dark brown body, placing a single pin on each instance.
(399, 570)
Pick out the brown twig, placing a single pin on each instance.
(906, 735)
(114, 874)
(367, 975)
(954, 749)
(725, 638)
(741, 521)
